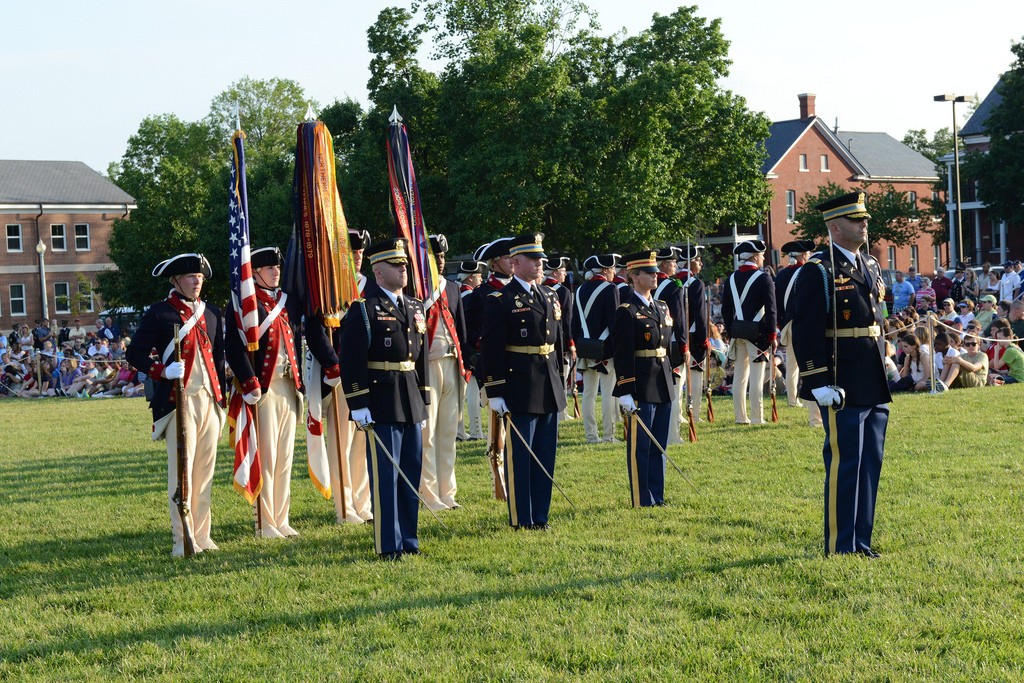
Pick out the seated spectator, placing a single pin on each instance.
(987, 314)
(924, 337)
(18, 353)
(119, 347)
(990, 286)
(4, 343)
(972, 366)
(124, 377)
(71, 379)
(892, 372)
(1007, 286)
(965, 311)
(105, 376)
(945, 370)
(971, 288)
(101, 349)
(916, 373)
(78, 333)
(1017, 320)
(948, 311)
(925, 297)
(138, 387)
(1010, 362)
(49, 381)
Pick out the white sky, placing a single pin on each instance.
(78, 77)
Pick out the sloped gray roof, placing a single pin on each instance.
(976, 124)
(883, 156)
(781, 136)
(56, 182)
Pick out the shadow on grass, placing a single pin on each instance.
(82, 642)
(81, 476)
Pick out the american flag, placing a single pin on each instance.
(248, 474)
(243, 290)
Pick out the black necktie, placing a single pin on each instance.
(401, 307)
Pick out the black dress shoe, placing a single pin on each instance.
(868, 552)
(414, 551)
(391, 557)
(661, 504)
(540, 527)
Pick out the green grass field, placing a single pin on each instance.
(729, 584)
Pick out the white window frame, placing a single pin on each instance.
(88, 237)
(20, 238)
(914, 258)
(85, 289)
(803, 164)
(11, 299)
(57, 296)
(790, 206)
(62, 237)
(891, 258)
(824, 164)
(937, 257)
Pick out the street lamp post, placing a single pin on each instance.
(958, 254)
(41, 250)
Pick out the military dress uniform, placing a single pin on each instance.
(201, 336)
(596, 301)
(847, 287)
(785, 281)
(640, 339)
(446, 337)
(273, 369)
(670, 290)
(750, 296)
(322, 369)
(696, 310)
(384, 369)
(521, 349)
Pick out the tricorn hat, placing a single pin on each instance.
(749, 247)
(439, 244)
(797, 247)
(491, 250)
(358, 239)
(265, 256)
(601, 261)
(183, 264)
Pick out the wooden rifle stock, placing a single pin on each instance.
(181, 495)
(575, 391)
(495, 453)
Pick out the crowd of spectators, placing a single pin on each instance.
(72, 361)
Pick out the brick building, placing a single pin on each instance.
(65, 210)
(805, 153)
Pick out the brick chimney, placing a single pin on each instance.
(806, 105)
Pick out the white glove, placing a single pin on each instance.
(627, 403)
(423, 425)
(498, 405)
(830, 396)
(175, 370)
(332, 381)
(252, 397)
(361, 416)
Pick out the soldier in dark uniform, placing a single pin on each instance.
(201, 369)
(691, 263)
(555, 271)
(836, 309)
(640, 339)
(495, 255)
(748, 311)
(521, 348)
(384, 373)
(596, 301)
(797, 251)
(269, 379)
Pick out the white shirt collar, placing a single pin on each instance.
(647, 302)
(526, 285)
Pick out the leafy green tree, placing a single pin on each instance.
(270, 110)
(168, 167)
(892, 217)
(1000, 171)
